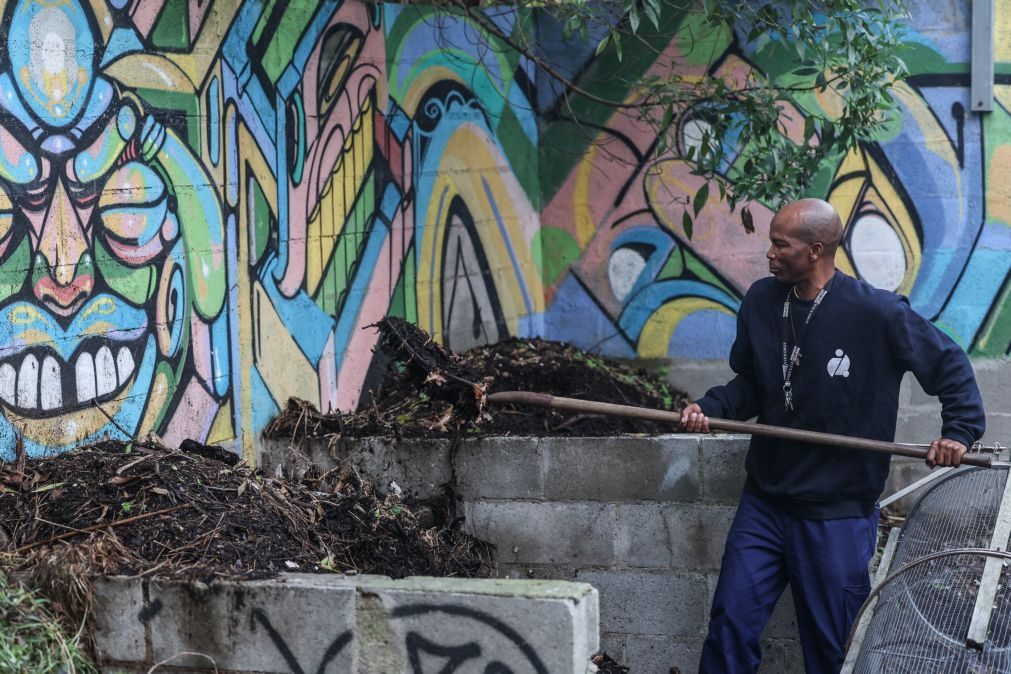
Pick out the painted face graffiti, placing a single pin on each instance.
(110, 234)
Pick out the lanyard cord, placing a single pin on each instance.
(790, 361)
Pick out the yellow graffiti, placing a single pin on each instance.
(654, 340)
(280, 362)
(459, 175)
(337, 197)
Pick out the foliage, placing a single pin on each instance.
(31, 640)
(841, 61)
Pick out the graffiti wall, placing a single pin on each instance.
(204, 205)
(926, 212)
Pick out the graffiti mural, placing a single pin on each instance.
(923, 215)
(204, 205)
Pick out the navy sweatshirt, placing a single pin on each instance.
(858, 345)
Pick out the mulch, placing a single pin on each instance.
(194, 512)
(428, 391)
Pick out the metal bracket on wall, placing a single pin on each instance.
(982, 56)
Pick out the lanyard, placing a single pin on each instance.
(790, 362)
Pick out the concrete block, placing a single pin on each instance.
(548, 626)
(783, 623)
(678, 536)
(258, 626)
(660, 655)
(545, 533)
(614, 645)
(661, 468)
(535, 572)
(722, 460)
(645, 538)
(650, 602)
(781, 656)
(504, 468)
(904, 472)
(421, 467)
(695, 377)
(119, 619)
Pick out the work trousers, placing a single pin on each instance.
(825, 563)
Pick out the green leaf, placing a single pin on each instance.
(808, 128)
(633, 20)
(701, 197)
(602, 45)
(686, 222)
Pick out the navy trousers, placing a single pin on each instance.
(825, 563)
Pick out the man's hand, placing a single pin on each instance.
(694, 420)
(943, 452)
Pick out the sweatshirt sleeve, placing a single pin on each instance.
(943, 370)
(737, 399)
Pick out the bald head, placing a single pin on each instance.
(813, 221)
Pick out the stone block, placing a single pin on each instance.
(535, 572)
(723, 474)
(661, 468)
(420, 467)
(783, 623)
(500, 468)
(695, 377)
(119, 619)
(548, 626)
(781, 656)
(650, 602)
(678, 536)
(527, 532)
(660, 655)
(258, 626)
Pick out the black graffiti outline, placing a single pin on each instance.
(332, 651)
(456, 655)
(508, 632)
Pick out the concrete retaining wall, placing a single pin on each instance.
(330, 624)
(642, 519)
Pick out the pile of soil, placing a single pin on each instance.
(430, 391)
(141, 508)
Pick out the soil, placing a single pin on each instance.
(430, 391)
(194, 512)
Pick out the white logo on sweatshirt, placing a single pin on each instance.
(840, 365)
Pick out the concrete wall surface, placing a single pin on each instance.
(642, 519)
(361, 624)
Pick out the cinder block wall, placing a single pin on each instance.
(642, 519)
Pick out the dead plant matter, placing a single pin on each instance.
(183, 514)
(429, 390)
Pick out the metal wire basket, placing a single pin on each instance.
(924, 607)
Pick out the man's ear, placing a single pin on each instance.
(817, 250)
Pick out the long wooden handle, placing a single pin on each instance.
(592, 407)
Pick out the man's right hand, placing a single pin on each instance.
(694, 420)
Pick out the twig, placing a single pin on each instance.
(178, 655)
(97, 527)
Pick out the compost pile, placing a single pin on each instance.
(430, 391)
(196, 512)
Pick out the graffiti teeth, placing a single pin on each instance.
(8, 381)
(124, 364)
(84, 369)
(51, 386)
(28, 383)
(105, 371)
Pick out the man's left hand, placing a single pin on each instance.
(945, 452)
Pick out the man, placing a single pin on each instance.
(819, 350)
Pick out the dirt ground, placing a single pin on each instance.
(429, 391)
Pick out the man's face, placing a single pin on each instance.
(790, 258)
